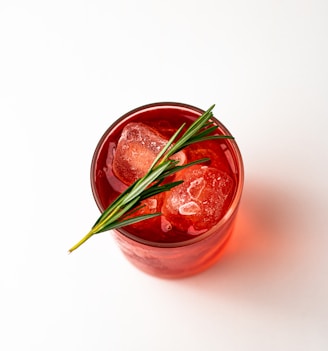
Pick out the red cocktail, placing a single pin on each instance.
(197, 216)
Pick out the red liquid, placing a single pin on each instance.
(166, 121)
(176, 252)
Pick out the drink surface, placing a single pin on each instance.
(189, 209)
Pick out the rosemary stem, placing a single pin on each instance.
(115, 216)
(82, 241)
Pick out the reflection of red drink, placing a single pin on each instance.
(197, 215)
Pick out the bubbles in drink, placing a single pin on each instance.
(199, 202)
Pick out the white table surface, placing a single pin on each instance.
(68, 69)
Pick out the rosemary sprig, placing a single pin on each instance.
(118, 214)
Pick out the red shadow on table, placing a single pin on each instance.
(262, 244)
(269, 268)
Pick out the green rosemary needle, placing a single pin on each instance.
(118, 213)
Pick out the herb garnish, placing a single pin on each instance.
(118, 214)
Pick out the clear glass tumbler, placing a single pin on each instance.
(174, 259)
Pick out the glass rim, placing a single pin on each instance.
(238, 163)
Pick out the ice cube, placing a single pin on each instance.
(199, 202)
(189, 208)
(148, 206)
(136, 150)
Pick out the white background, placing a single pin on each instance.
(68, 69)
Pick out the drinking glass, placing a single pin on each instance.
(169, 259)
